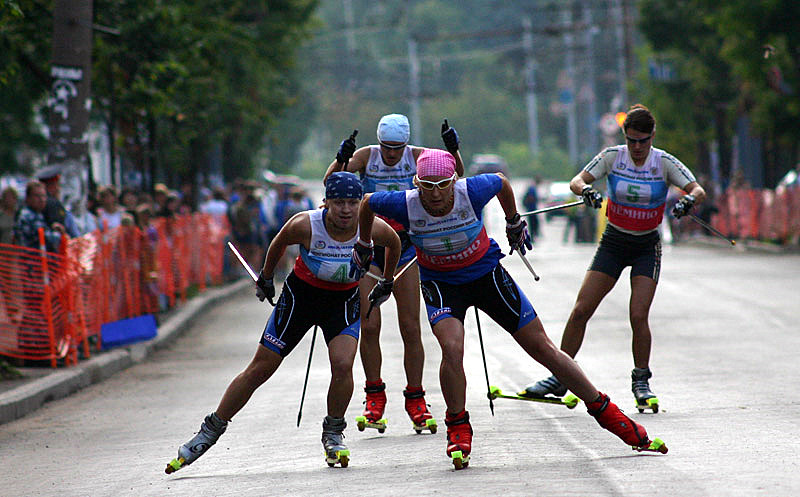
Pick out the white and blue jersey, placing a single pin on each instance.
(637, 194)
(455, 247)
(326, 263)
(379, 177)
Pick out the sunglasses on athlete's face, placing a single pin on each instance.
(640, 141)
(441, 184)
(392, 147)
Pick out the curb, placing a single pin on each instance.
(26, 398)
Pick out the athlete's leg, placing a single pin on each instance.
(643, 290)
(406, 296)
(370, 346)
(260, 369)
(533, 339)
(450, 334)
(595, 287)
(342, 353)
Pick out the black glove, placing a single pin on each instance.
(380, 293)
(517, 233)
(591, 197)
(683, 206)
(450, 138)
(360, 259)
(346, 149)
(265, 289)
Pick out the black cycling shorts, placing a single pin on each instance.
(495, 293)
(301, 306)
(618, 250)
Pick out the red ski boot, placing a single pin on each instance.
(417, 410)
(609, 416)
(459, 438)
(374, 407)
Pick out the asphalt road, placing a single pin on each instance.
(726, 338)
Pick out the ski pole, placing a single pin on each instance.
(483, 355)
(528, 265)
(553, 208)
(412, 261)
(399, 274)
(308, 368)
(243, 262)
(711, 229)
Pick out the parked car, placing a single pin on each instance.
(557, 193)
(487, 163)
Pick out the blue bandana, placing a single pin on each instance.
(343, 185)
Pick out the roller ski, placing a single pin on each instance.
(210, 431)
(336, 452)
(417, 410)
(609, 416)
(645, 399)
(570, 400)
(459, 438)
(373, 407)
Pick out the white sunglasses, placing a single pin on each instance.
(441, 184)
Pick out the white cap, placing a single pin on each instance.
(394, 128)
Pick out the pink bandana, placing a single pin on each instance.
(435, 162)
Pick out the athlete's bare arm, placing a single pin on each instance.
(580, 180)
(385, 236)
(356, 165)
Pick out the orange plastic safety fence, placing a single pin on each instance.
(767, 215)
(53, 305)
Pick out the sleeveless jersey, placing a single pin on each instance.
(378, 177)
(636, 195)
(450, 242)
(327, 263)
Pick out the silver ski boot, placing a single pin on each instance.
(333, 441)
(645, 399)
(543, 388)
(209, 433)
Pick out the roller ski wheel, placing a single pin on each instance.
(651, 403)
(656, 445)
(174, 465)
(459, 459)
(569, 400)
(341, 457)
(430, 425)
(363, 423)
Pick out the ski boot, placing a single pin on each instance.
(333, 441)
(543, 389)
(417, 410)
(632, 433)
(374, 407)
(645, 399)
(209, 433)
(459, 438)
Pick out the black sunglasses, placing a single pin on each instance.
(392, 147)
(641, 141)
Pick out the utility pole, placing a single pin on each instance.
(569, 91)
(530, 87)
(413, 85)
(349, 21)
(622, 66)
(70, 94)
(593, 118)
